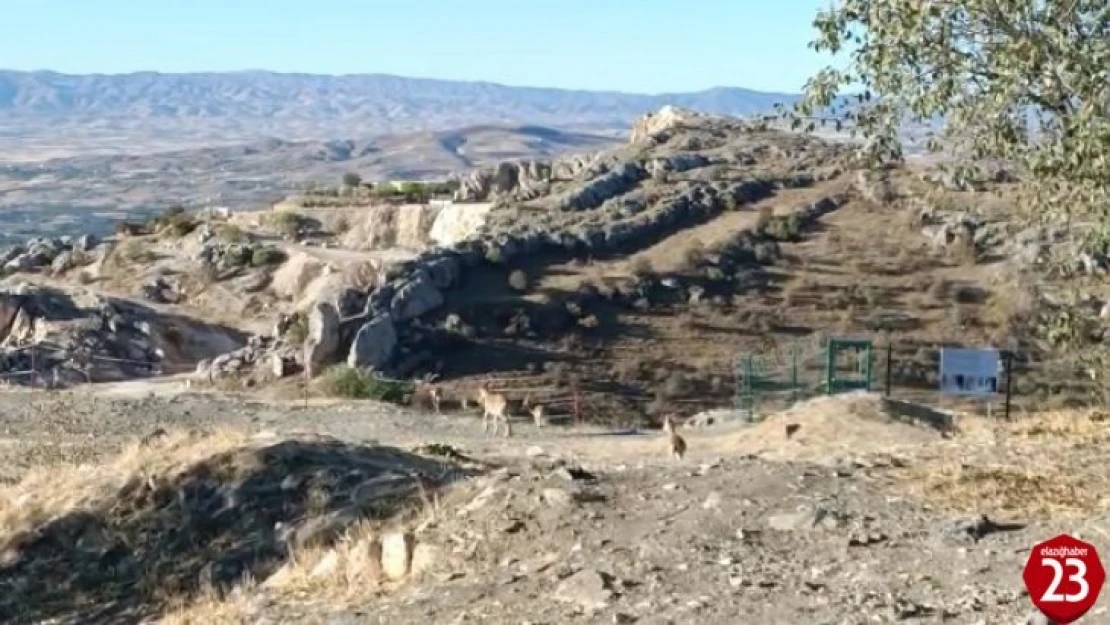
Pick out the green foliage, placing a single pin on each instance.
(351, 179)
(231, 233)
(287, 223)
(297, 333)
(174, 221)
(267, 255)
(356, 383)
(780, 228)
(1020, 81)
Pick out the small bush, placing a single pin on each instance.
(964, 251)
(694, 255)
(940, 290)
(297, 333)
(231, 233)
(676, 385)
(174, 221)
(355, 383)
(342, 225)
(781, 228)
(766, 252)
(518, 280)
(590, 322)
(641, 268)
(287, 223)
(267, 255)
(134, 251)
(494, 254)
(764, 217)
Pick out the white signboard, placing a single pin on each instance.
(969, 371)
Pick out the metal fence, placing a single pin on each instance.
(789, 372)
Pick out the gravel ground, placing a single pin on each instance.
(634, 536)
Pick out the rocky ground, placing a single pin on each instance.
(859, 517)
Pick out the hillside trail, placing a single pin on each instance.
(669, 254)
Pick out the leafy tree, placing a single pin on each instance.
(351, 179)
(1024, 81)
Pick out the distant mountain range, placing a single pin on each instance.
(238, 105)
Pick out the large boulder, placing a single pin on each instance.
(374, 344)
(10, 305)
(418, 296)
(322, 342)
(664, 119)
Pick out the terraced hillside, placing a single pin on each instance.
(646, 272)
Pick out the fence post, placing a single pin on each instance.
(794, 372)
(830, 363)
(576, 405)
(1009, 378)
(889, 360)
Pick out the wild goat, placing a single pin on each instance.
(435, 395)
(536, 410)
(675, 443)
(495, 407)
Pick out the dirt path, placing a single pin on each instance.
(668, 255)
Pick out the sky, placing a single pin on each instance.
(642, 46)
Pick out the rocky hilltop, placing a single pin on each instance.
(545, 268)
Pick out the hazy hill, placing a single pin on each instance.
(219, 107)
(85, 193)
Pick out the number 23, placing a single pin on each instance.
(1051, 594)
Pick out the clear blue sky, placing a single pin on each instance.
(627, 45)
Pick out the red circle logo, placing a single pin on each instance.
(1064, 576)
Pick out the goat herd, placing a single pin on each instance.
(495, 411)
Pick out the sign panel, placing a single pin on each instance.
(969, 371)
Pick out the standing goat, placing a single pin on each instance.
(536, 410)
(495, 407)
(675, 443)
(435, 395)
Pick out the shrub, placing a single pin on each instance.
(174, 221)
(267, 255)
(766, 214)
(231, 233)
(134, 251)
(589, 322)
(694, 255)
(494, 255)
(781, 228)
(518, 280)
(641, 268)
(351, 179)
(676, 385)
(297, 333)
(287, 223)
(356, 383)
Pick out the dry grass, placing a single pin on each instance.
(1045, 466)
(187, 522)
(49, 492)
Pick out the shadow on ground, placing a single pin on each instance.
(166, 537)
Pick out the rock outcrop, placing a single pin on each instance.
(666, 118)
(53, 337)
